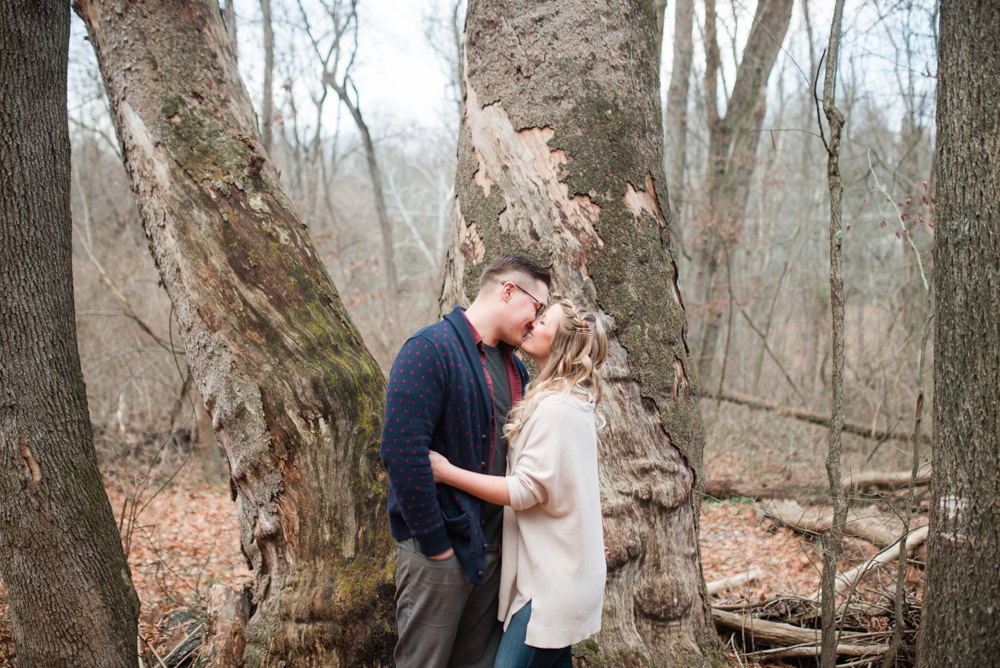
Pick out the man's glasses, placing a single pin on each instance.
(539, 308)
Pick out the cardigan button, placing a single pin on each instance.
(484, 437)
(480, 574)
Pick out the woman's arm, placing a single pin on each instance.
(492, 488)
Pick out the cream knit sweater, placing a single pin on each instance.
(553, 541)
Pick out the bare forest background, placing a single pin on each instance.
(770, 296)
(374, 184)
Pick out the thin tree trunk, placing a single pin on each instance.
(732, 149)
(385, 223)
(295, 397)
(918, 416)
(578, 184)
(833, 539)
(69, 588)
(267, 106)
(675, 117)
(229, 14)
(659, 10)
(960, 625)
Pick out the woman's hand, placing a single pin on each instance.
(441, 467)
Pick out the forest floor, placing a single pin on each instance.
(182, 537)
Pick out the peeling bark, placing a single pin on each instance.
(560, 158)
(295, 398)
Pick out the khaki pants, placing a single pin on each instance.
(443, 621)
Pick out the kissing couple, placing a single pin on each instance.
(493, 483)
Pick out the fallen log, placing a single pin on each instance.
(813, 418)
(891, 480)
(868, 524)
(788, 637)
(717, 586)
(727, 489)
(849, 579)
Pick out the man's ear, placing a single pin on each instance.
(506, 291)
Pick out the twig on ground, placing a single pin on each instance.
(153, 651)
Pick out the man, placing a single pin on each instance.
(450, 390)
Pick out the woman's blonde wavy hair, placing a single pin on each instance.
(579, 348)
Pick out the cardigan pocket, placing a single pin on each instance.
(459, 525)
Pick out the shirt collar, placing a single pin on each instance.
(475, 333)
(502, 346)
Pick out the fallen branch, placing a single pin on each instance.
(850, 578)
(727, 488)
(894, 480)
(793, 639)
(186, 648)
(156, 656)
(869, 525)
(813, 418)
(717, 586)
(814, 650)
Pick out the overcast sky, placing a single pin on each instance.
(401, 80)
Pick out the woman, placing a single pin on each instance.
(553, 568)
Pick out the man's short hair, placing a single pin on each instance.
(504, 266)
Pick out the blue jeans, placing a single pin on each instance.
(513, 653)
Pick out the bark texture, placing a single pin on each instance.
(296, 400)
(560, 158)
(960, 625)
(71, 597)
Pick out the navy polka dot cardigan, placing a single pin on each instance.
(438, 398)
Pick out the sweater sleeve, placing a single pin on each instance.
(415, 399)
(535, 471)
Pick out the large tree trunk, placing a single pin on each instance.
(560, 158)
(733, 143)
(960, 625)
(295, 397)
(69, 586)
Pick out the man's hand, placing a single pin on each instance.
(444, 555)
(441, 467)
